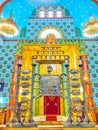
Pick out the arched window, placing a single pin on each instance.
(42, 14)
(47, 31)
(50, 14)
(54, 30)
(59, 14)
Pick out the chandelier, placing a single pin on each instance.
(91, 27)
(8, 27)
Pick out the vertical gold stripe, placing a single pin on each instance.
(61, 106)
(41, 106)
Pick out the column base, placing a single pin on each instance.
(20, 125)
(14, 125)
(83, 124)
(33, 124)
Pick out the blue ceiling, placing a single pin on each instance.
(80, 10)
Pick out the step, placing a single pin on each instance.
(50, 126)
(50, 123)
(43, 118)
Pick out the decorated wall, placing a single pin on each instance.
(39, 21)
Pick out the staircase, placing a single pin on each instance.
(50, 121)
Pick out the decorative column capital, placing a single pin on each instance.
(19, 62)
(66, 59)
(34, 61)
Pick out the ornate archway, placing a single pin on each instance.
(57, 32)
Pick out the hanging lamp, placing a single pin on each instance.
(8, 27)
(91, 27)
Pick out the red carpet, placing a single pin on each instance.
(51, 118)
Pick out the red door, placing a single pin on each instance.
(52, 105)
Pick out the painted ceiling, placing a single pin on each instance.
(80, 10)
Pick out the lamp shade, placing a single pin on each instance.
(8, 27)
(91, 27)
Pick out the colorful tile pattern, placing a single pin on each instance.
(65, 24)
(92, 50)
(7, 50)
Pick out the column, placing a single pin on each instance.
(88, 88)
(64, 86)
(36, 91)
(11, 103)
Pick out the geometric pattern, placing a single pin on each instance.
(66, 25)
(91, 47)
(7, 51)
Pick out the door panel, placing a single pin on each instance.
(51, 105)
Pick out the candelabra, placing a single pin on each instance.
(86, 121)
(19, 121)
(32, 123)
(82, 119)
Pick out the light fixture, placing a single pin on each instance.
(34, 61)
(91, 27)
(19, 62)
(8, 27)
(80, 63)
